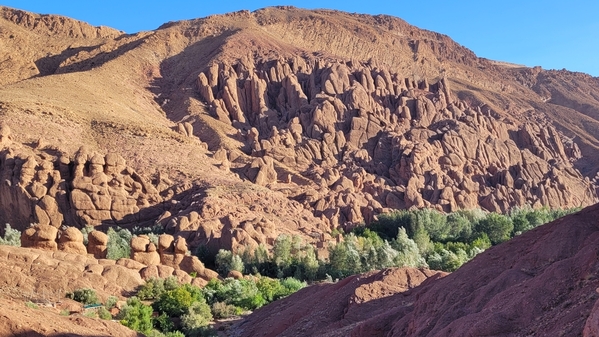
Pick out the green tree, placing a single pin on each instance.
(282, 250)
(497, 226)
(227, 261)
(408, 252)
(118, 244)
(459, 226)
(137, 316)
(310, 263)
(236, 263)
(103, 313)
(423, 241)
(433, 221)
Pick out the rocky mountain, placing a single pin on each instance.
(232, 129)
(541, 283)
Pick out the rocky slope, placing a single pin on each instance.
(230, 130)
(41, 277)
(541, 283)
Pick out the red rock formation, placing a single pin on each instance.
(229, 136)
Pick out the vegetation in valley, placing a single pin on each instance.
(415, 238)
(184, 309)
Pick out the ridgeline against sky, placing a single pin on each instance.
(550, 33)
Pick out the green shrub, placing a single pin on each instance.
(224, 310)
(163, 323)
(118, 244)
(12, 237)
(153, 238)
(151, 290)
(85, 296)
(85, 232)
(198, 316)
(174, 334)
(205, 331)
(177, 302)
(111, 302)
(31, 305)
(291, 285)
(65, 312)
(242, 293)
(136, 315)
(269, 288)
(90, 314)
(103, 313)
(171, 283)
(156, 333)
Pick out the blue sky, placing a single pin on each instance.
(549, 33)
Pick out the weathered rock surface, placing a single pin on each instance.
(54, 273)
(19, 320)
(87, 190)
(44, 277)
(97, 244)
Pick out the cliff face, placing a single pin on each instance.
(233, 129)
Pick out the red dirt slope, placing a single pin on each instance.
(542, 283)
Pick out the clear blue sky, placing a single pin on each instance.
(549, 33)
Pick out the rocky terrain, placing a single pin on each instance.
(168, 257)
(232, 129)
(541, 283)
(43, 278)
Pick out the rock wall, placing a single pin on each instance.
(169, 258)
(371, 140)
(40, 184)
